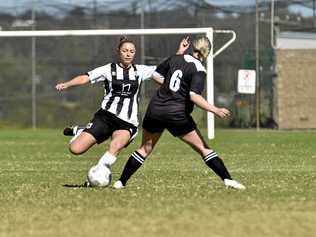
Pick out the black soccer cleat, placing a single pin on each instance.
(69, 131)
(86, 184)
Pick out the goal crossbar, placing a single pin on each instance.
(95, 32)
(208, 31)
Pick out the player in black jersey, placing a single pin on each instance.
(170, 108)
(118, 116)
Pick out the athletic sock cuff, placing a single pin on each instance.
(137, 156)
(210, 156)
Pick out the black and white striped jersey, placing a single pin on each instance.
(121, 88)
(183, 75)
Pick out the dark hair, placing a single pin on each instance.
(123, 40)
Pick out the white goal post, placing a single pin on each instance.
(209, 32)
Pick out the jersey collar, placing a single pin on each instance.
(124, 68)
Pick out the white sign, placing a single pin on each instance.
(246, 81)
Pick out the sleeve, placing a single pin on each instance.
(146, 71)
(163, 68)
(198, 82)
(99, 74)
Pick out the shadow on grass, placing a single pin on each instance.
(84, 185)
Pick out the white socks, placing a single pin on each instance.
(107, 159)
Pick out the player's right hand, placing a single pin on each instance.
(184, 45)
(61, 86)
(185, 42)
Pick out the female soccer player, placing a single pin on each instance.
(170, 108)
(118, 116)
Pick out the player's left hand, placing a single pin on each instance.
(222, 112)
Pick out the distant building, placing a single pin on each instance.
(295, 84)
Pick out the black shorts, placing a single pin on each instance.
(176, 128)
(105, 123)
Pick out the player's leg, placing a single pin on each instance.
(196, 141)
(149, 141)
(107, 125)
(212, 160)
(135, 161)
(210, 157)
(96, 131)
(82, 143)
(122, 134)
(73, 131)
(120, 138)
(152, 130)
(188, 132)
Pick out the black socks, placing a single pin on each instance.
(134, 162)
(217, 165)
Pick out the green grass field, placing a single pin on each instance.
(173, 194)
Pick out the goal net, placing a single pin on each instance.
(32, 62)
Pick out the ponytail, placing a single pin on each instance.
(202, 46)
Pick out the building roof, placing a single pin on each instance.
(296, 40)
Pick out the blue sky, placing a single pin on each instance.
(20, 5)
(12, 3)
(232, 2)
(305, 11)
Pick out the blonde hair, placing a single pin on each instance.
(202, 46)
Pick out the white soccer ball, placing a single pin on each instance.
(99, 176)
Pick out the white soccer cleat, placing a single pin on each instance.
(118, 185)
(230, 183)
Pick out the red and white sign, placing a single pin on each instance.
(246, 81)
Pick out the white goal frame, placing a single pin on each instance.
(209, 32)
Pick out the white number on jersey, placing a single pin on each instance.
(175, 80)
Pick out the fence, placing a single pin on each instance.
(59, 59)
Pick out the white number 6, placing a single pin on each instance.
(175, 80)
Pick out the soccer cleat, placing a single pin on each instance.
(118, 185)
(86, 184)
(70, 131)
(230, 183)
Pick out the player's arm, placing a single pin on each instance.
(184, 45)
(203, 104)
(196, 89)
(149, 72)
(77, 81)
(161, 71)
(157, 77)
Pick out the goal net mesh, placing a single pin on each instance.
(62, 58)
